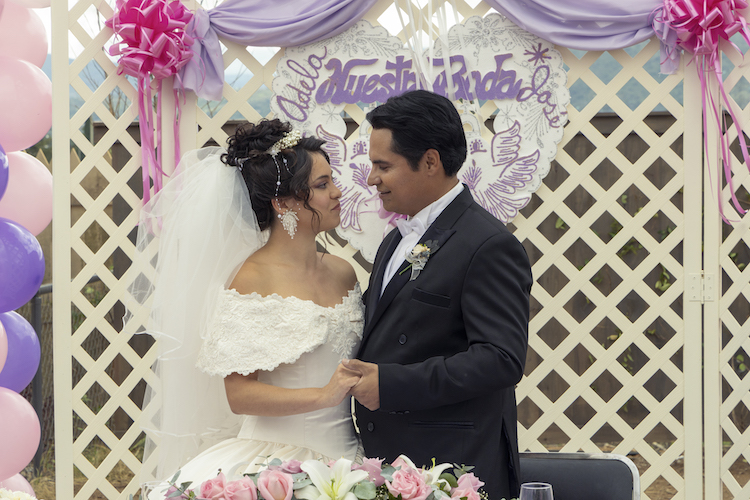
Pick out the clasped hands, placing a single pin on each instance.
(363, 378)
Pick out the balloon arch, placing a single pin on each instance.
(25, 211)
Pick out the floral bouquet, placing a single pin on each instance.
(339, 480)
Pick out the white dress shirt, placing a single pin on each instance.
(413, 230)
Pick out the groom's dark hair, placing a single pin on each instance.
(420, 120)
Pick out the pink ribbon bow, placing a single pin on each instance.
(153, 46)
(698, 26)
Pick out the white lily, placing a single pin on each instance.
(431, 476)
(334, 483)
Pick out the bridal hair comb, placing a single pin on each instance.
(289, 140)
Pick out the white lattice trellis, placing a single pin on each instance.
(725, 323)
(629, 332)
(617, 214)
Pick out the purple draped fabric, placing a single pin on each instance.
(583, 24)
(577, 24)
(260, 23)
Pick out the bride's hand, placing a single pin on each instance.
(338, 387)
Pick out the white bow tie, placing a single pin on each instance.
(413, 225)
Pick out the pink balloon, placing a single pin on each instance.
(19, 433)
(22, 35)
(18, 483)
(3, 346)
(2, 7)
(28, 197)
(25, 104)
(32, 4)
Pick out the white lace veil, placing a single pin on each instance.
(192, 238)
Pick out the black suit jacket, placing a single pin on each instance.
(450, 348)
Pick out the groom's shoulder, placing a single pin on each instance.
(479, 219)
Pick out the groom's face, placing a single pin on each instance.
(401, 189)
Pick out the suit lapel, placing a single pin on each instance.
(373, 295)
(440, 231)
(403, 274)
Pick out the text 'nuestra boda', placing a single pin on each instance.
(349, 84)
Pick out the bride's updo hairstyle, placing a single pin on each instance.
(248, 149)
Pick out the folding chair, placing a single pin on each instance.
(583, 476)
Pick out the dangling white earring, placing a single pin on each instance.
(289, 222)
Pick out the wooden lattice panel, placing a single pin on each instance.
(727, 327)
(608, 255)
(607, 224)
(101, 399)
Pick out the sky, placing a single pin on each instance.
(73, 47)
(44, 15)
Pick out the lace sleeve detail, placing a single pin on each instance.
(346, 324)
(251, 333)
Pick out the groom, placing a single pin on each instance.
(443, 347)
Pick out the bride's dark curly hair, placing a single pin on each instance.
(247, 150)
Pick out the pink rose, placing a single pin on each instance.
(408, 483)
(291, 467)
(213, 489)
(469, 481)
(464, 493)
(275, 485)
(373, 467)
(241, 489)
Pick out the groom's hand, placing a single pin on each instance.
(367, 390)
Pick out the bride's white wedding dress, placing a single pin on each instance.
(195, 233)
(292, 343)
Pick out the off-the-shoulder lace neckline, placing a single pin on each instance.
(274, 296)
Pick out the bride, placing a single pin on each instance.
(252, 320)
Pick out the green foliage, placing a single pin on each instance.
(663, 282)
(741, 367)
(450, 478)
(663, 233)
(632, 246)
(626, 361)
(740, 265)
(365, 490)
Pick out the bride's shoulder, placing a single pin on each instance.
(252, 277)
(342, 270)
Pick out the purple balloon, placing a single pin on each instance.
(21, 265)
(4, 171)
(23, 352)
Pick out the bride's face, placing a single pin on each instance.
(324, 196)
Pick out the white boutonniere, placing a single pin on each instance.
(418, 256)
